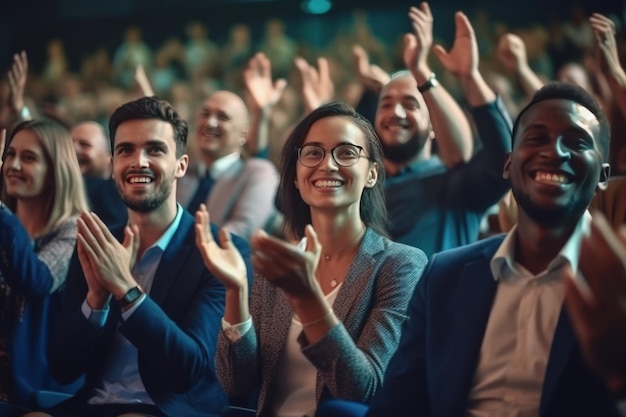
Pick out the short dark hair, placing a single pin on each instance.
(296, 212)
(151, 108)
(572, 92)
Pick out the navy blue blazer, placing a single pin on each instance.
(432, 372)
(174, 330)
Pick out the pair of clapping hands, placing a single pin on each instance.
(107, 263)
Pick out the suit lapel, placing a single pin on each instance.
(173, 260)
(476, 292)
(560, 354)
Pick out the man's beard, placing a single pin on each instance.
(550, 217)
(403, 152)
(150, 202)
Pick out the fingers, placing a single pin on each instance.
(90, 227)
(203, 227)
(312, 243)
(463, 25)
(361, 60)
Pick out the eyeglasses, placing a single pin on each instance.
(344, 155)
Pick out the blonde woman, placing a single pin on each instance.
(41, 190)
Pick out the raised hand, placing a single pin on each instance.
(17, 81)
(261, 93)
(316, 84)
(597, 305)
(604, 32)
(371, 77)
(417, 45)
(107, 261)
(223, 260)
(463, 58)
(511, 51)
(288, 267)
(142, 80)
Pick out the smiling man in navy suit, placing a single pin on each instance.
(488, 334)
(140, 318)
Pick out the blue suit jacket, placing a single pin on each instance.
(432, 372)
(174, 330)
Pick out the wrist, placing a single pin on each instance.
(97, 300)
(428, 84)
(130, 297)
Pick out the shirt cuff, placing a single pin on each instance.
(234, 332)
(97, 318)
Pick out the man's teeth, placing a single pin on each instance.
(135, 180)
(552, 178)
(327, 184)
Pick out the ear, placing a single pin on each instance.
(181, 165)
(604, 176)
(295, 182)
(506, 173)
(372, 176)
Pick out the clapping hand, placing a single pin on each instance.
(262, 94)
(106, 262)
(223, 260)
(285, 265)
(317, 87)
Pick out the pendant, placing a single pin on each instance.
(333, 283)
(327, 257)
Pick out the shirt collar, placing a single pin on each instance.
(167, 236)
(222, 164)
(503, 260)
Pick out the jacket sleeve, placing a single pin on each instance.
(34, 269)
(478, 184)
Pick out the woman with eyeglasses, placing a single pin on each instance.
(325, 314)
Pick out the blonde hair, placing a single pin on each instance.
(67, 198)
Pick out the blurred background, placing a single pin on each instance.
(83, 54)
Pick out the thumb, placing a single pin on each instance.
(442, 55)
(280, 86)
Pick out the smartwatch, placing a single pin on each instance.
(130, 297)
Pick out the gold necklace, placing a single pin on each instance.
(333, 281)
(354, 239)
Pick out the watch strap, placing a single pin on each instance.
(430, 83)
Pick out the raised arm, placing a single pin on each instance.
(452, 129)
(463, 60)
(608, 58)
(262, 94)
(316, 86)
(17, 82)
(512, 53)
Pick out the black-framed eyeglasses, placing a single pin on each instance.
(345, 155)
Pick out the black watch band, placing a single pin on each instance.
(430, 83)
(130, 297)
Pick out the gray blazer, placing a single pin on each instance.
(351, 360)
(242, 198)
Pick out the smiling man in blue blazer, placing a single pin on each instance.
(140, 318)
(487, 333)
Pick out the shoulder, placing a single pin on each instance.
(460, 256)
(393, 254)
(259, 165)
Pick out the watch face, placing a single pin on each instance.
(132, 295)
